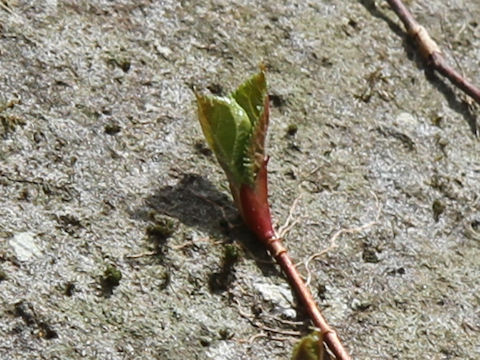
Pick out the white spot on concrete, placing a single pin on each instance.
(24, 246)
(406, 122)
(280, 296)
(223, 350)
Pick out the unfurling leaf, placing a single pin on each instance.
(310, 347)
(252, 97)
(235, 127)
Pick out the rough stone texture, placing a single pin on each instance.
(103, 163)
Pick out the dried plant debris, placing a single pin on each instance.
(41, 328)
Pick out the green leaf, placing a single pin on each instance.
(235, 127)
(227, 129)
(309, 347)
(251, 96)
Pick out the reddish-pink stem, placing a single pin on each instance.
(330, 337)
(253, 203)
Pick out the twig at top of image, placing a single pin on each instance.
(430, 51)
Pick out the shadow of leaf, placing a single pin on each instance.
(194, 201)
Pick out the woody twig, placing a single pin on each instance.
(430, 51)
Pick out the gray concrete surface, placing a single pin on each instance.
(104, 172)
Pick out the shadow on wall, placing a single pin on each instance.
(194, 201)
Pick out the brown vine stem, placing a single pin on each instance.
(430, 50)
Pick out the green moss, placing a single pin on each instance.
(166, 278)
(9, 124)
(112, 275)
(309, 347)
(219, 281)
(3, 275)
(369, 255)
(231, 255)
(69, 288)
(119, 59)
(162, 229)
(438, 207)
(110, 279)
(292, 130)
(112, 129)
(158, 233)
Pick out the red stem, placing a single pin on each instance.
(253, 203)
(330, 337)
